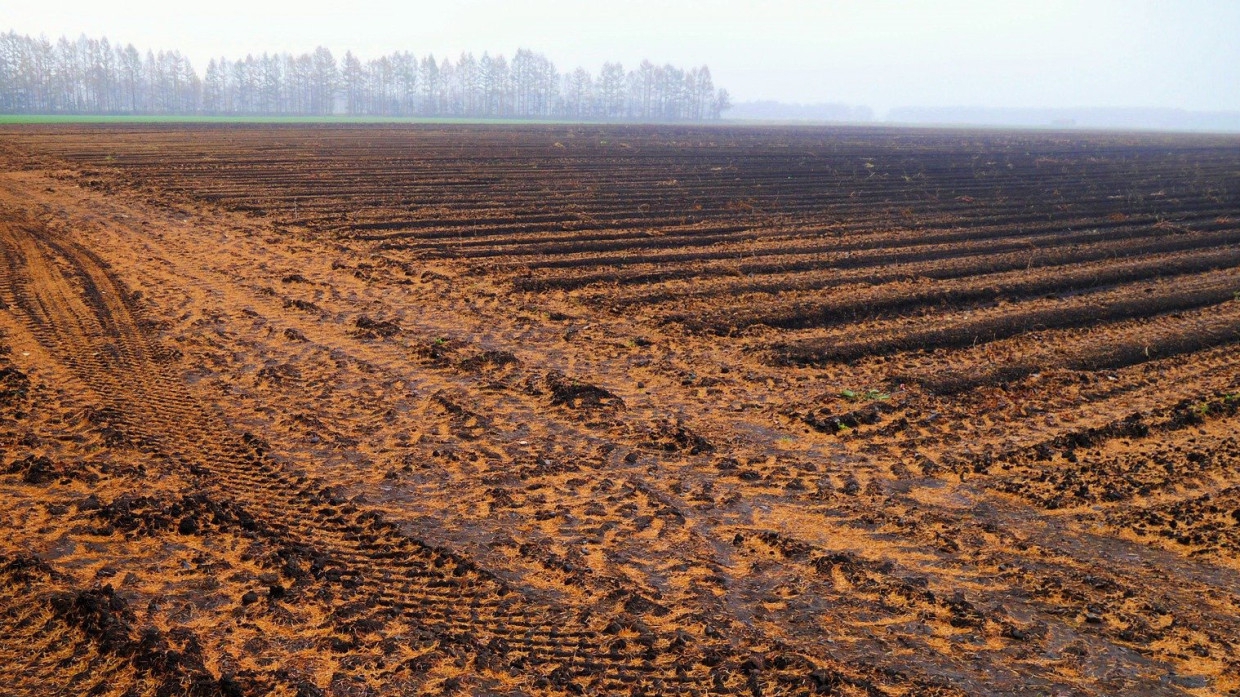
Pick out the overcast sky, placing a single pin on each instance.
(999, 53)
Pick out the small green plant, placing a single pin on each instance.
(440, 341)
(1201, 408)
(870, 395)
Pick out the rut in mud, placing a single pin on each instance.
(76, 309)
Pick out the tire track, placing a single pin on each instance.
(74, 307)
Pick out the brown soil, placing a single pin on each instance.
(618, 410)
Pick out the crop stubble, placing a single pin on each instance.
(620, 409)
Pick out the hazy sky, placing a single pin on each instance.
(1007, 53)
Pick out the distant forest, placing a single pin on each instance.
(93, 76)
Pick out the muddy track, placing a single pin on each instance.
(80, 312)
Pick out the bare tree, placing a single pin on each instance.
(722, 102)
(428, 77)
(271, 84)
(351, 80)
(325, 80)
(469, 82)
(579, 94)
(611, 91)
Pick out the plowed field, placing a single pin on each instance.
(618, 410)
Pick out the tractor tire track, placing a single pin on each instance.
(73, 306)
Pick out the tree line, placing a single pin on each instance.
(94, 76)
